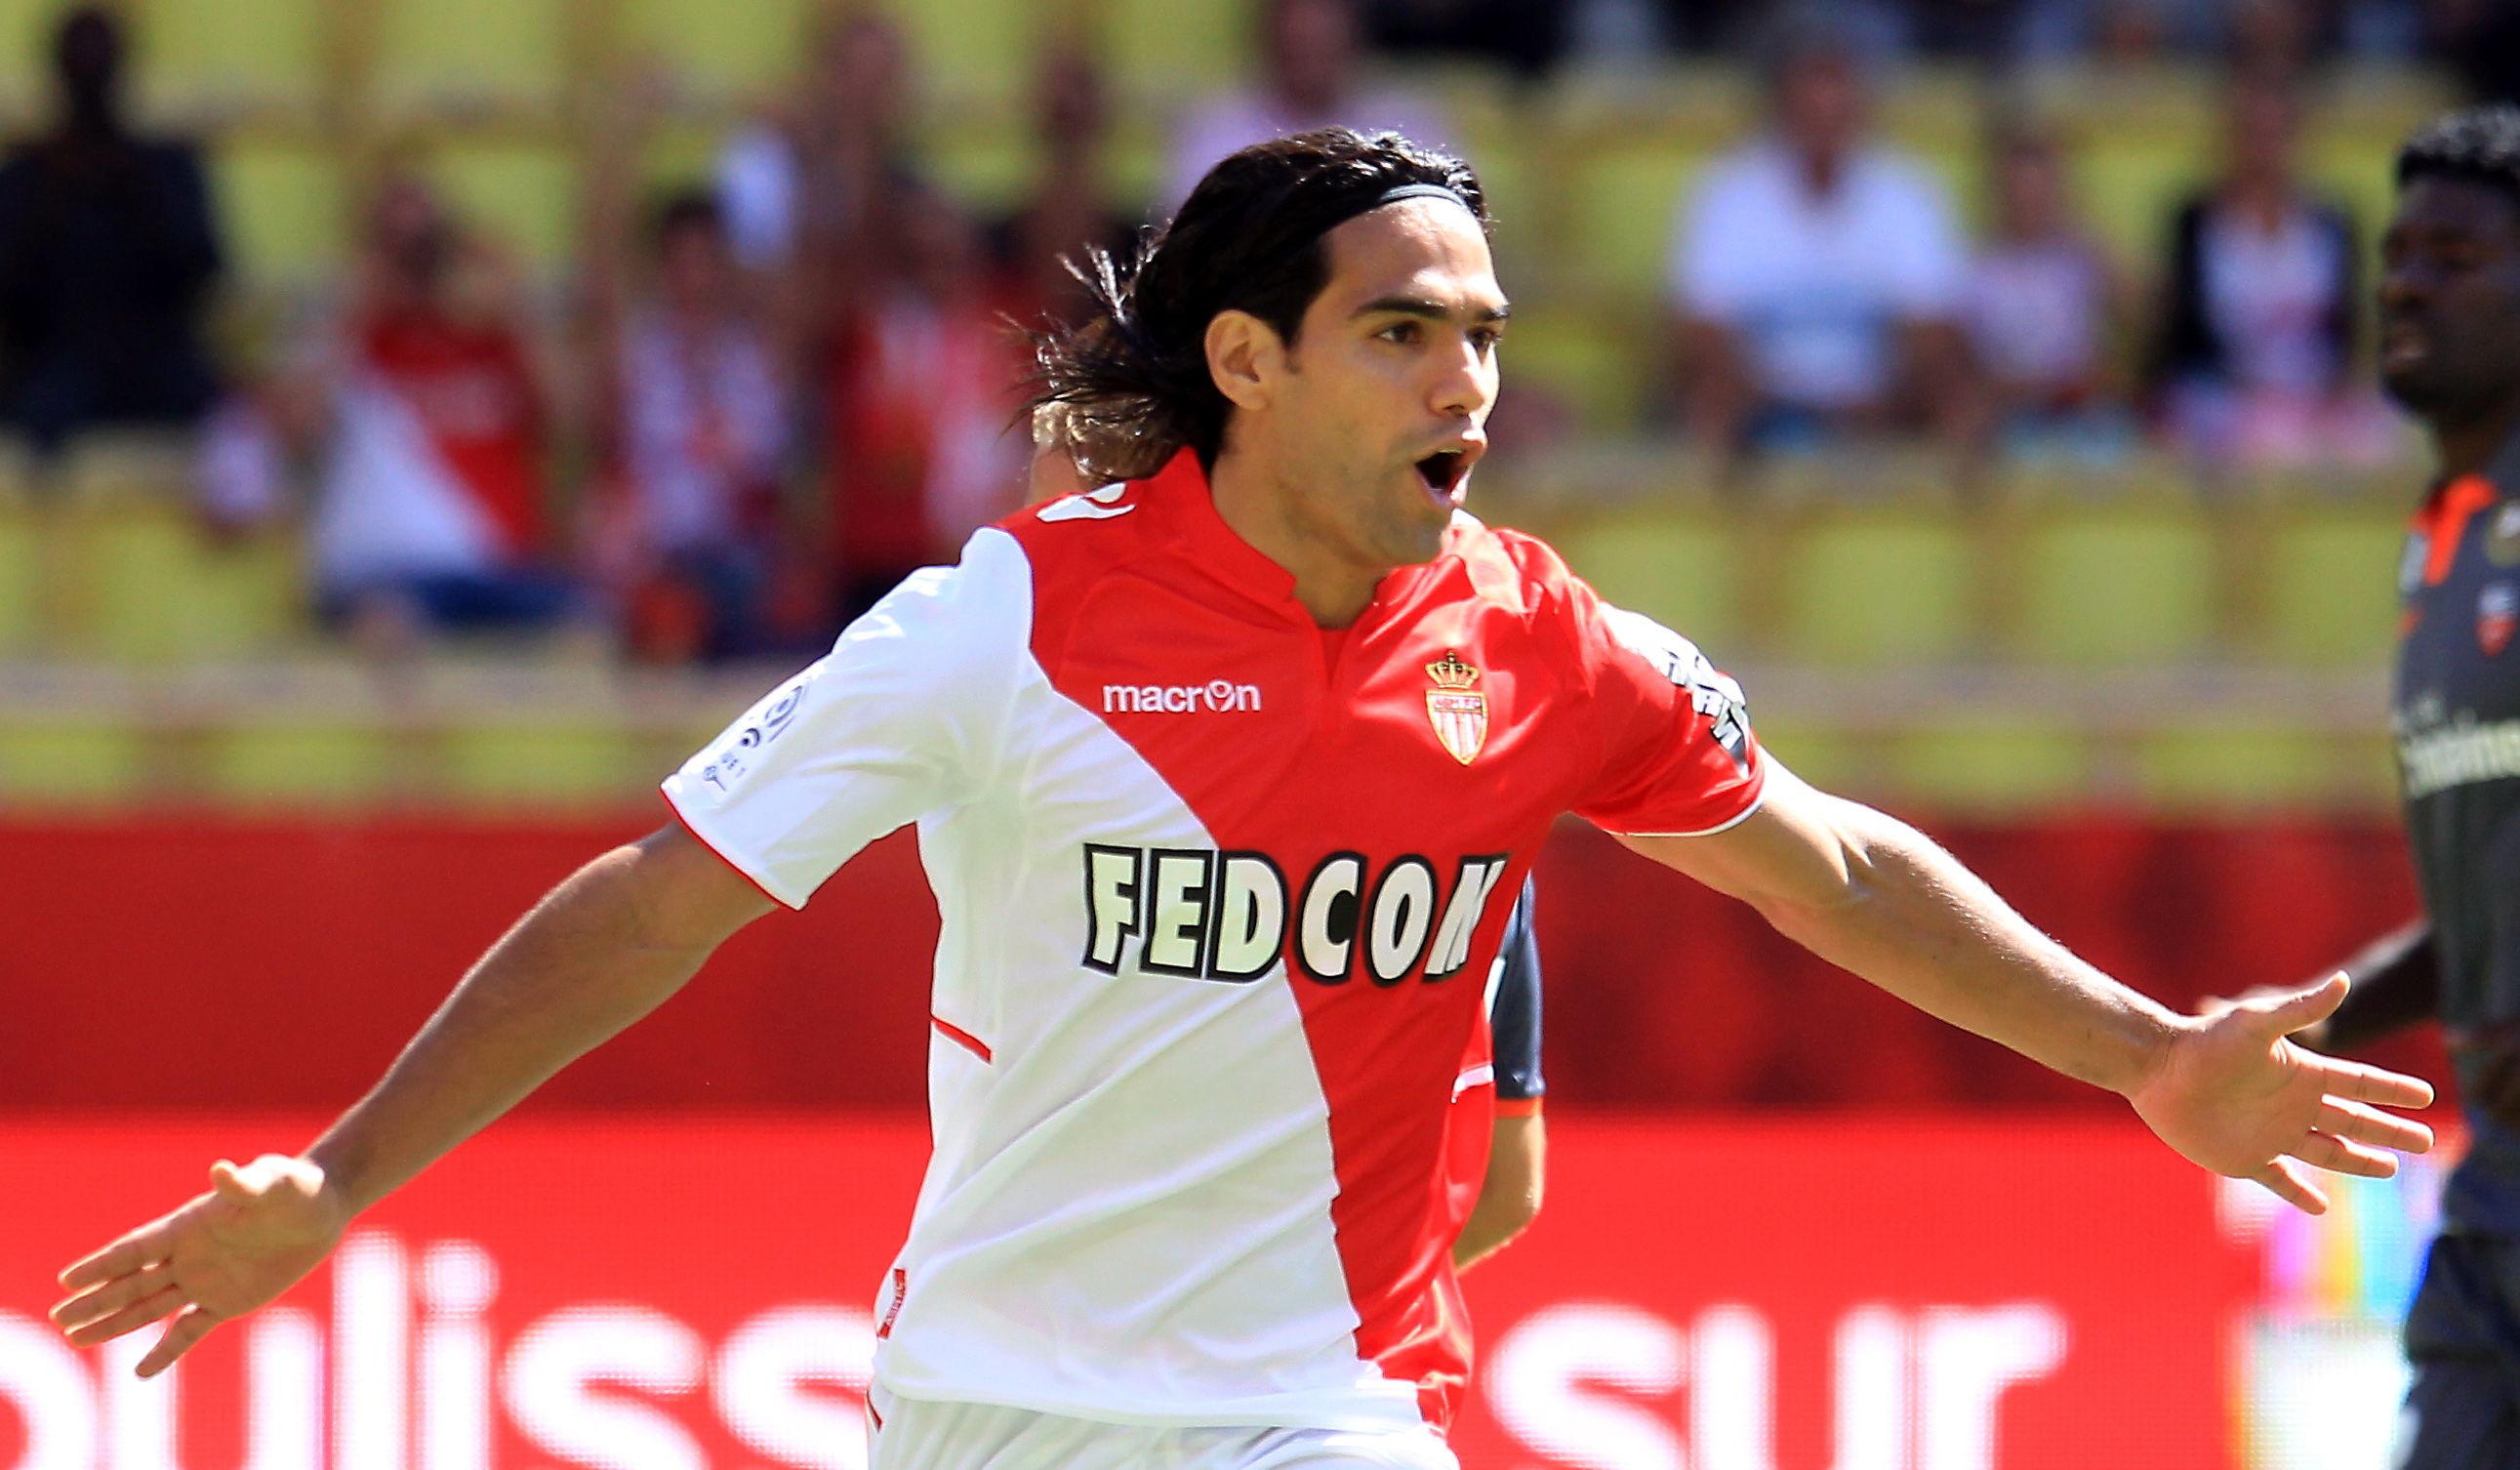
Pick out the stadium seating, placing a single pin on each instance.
(2118, 585)
(1683, 566)
(1868, 586)
(2327, 585)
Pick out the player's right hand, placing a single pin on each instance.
(255, 1234)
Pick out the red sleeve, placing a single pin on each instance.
(1676, 754)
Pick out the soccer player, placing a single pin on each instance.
(2450, 352)
(1223, 774)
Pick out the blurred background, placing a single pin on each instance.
(427, 423)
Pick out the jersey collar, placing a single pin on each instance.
(1179, 493)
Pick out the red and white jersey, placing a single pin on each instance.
(1217, 924)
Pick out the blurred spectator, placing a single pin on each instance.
(431, 508)
(920, 396)
(693, 524)
(108, 253)
(2043, 309)
(1070, 205)
(1308, 54)
(2253, 361)
(1524, 36)
(1819, 277)
(822, 166)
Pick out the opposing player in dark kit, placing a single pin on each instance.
(2450, 352)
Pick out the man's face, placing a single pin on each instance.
(2449, 299)
(1820, 103)
(1377, 412)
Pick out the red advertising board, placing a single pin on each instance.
(1713, 1293)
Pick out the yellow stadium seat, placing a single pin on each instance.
(523, 194)
(133, 581)
(283, 210)
(70, 763)
(2114, 585)
(709, 51)
(1834, 759)
(443, 57)
(26, 29)
(548, 764)
(2208, 769)
(21, 602)
(977, 51)
(134, 560)
(1162, 49)
(1862, 586)
(1681, 565)
(1991, 766)
(1569, 357)
(2330, 585)
(2130, 186)
(298, 763)
(1622, 205)
(234, 55)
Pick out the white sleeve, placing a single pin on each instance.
(902, 718)
(1927, 260)
(1716, 267)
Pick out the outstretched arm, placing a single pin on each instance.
(1870, 893)
(604, 949)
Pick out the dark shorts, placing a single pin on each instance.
(2464, 1340)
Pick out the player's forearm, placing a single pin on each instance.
(1913, 921)
(1509, 1194)
(2397, 983)
(579, 967)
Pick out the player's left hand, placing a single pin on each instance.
(2233, 1094)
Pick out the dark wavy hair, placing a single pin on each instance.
(1128, 385)
(2480, 145)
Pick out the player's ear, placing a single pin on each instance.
(1244, 356)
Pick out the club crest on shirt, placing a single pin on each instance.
(1455, 707)
(2497, 613)
(2502, 535)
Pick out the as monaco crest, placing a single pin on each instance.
(1459, 713)
(2497, 613)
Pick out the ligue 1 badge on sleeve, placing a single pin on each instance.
(2497, 613)
(1459, 713)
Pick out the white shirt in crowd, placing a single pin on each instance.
(1815, 284)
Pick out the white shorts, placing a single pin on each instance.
(918, 1433)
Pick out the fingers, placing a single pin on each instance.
(2330, 1152)
(144, 1247)
(165, 1301)
(2287, 1183)
(110, 1297)
(2359, 1081)
(2305, 1008)
(2368, 1124)
(189, 1328)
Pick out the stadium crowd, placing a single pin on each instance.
(761, 396)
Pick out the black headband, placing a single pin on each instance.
(1402, 192)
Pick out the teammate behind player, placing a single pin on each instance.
(1222, 776)
(2450, 353)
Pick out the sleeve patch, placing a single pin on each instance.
(1712, 693)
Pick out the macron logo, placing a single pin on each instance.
(1222, 696)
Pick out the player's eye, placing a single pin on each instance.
(1485, 338)
(1400, 332)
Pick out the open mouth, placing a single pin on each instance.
(1443, 469)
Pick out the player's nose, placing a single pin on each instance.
(1467, 383)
